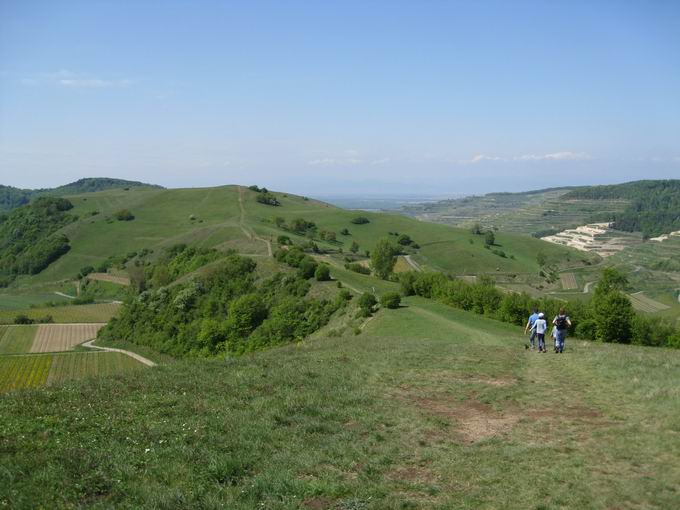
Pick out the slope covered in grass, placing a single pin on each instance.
(428, 408)
(228, 217)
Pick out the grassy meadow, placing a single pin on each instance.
(428, 407)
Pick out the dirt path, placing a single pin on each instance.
(134, 355)
(64, 295)
(413, 263)
(587, 286)
(249, 232)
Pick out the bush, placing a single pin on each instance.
(360, 220)
(124, 215)
(266, 198)
(367, 303)
(390, 300)
(22, 319)
(358, 268)
(344, 232)
(85, 271)
(307, 268)
(322, 273)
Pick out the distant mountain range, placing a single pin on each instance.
(11, 197)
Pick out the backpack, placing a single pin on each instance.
(561, 322)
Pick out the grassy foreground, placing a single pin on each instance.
(428, 408)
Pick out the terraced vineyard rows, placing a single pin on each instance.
(644, 304)
(99, 312)
(568, 281)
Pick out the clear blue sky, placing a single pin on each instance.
(340, 97)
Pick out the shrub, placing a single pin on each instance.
(358, 268)
(307, 268)
(344, 232)
(322, 273)
(360, 220)
(367, 303)
(489, 238)
(22, 319)
(124, 215)
(266, 198)
(390, 300)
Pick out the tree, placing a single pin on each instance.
(322, 273)
(489, 238)
(614, 316)
(367, 303)
(383, 258)
(246, 313)
(390, 300)
(476, 229)
(307, 267)
(354, 248)
(280, 222)
(611, 279)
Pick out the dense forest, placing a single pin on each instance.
(11, 198)
(654, 205)
(28, 238)
(223, 310)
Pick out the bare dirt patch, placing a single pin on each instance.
(62, 337)
(474, 421)
(413, 474)
(318, 503)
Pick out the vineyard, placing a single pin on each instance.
(644, 304)
(18, 372)
(99, 312)
(16, 339)
(23, 371)
(62, 337)
(568, 281)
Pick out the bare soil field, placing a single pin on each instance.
(62, 337)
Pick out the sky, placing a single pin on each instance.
(355, 98)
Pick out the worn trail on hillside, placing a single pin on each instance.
(134, 355)
(249, 232)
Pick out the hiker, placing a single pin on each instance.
(530, 325)
(541, 325)
(561, 323)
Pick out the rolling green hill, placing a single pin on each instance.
(427, 408)
(231, 217)
(11, 197)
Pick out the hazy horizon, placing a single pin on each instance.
(354, 98)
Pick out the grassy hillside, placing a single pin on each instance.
(11, 197)
(428, 408)
(212, 217)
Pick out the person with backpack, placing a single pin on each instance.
(562, 323)
(530, 325)
(541, 326)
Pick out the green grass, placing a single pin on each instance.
(18, 301)
(16, 339)
(429, 408)
(98, 312)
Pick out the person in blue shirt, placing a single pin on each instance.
(530, 327)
